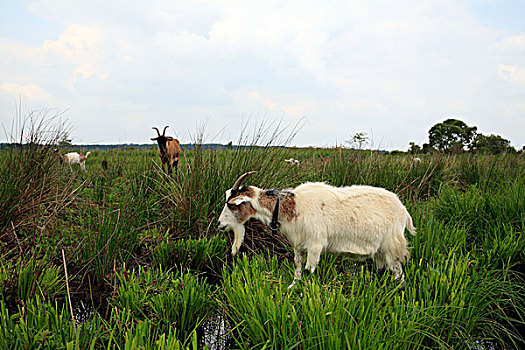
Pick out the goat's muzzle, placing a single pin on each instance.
(223, 227)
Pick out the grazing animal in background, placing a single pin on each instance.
(74, 158)
(362, 221)
(292, 161)
(169, 151)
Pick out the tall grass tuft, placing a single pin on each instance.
(449, 303)
(479, 212)
(399, 174)
(32, 189)
(171, 300)
(110, 239)
(204, 255)
(44, 324)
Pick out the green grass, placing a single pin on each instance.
(145, 252)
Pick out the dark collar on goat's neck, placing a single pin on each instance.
(275, 224)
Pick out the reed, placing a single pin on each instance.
(32, 191)
(199, 255)
(170, 300)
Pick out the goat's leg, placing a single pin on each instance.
(170, 169)
(176, 165)
(313, 256)
(397, 270)
(395, 267)
(298, 261)
(379, 259)
(83, 166)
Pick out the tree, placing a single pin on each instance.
(414, 149)
(490, 144)
(452, 135)
(359, 139)
(426, 149)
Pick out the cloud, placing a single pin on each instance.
(512, 73)
(512, 43)
(298, 108)
(31, 92)
(86, 70)
(77, 42)
(83, 47)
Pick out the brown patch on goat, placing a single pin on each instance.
(242, 211)
(247, 191)
(286, 205)
(267, 202)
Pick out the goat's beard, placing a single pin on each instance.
(238, 238)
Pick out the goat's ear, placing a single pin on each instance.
(235, 202)
(240, 200)
(170, 138)
(154, 138)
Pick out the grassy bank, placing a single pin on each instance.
(149, 268)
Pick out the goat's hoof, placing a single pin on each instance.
(294, 283)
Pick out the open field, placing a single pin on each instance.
(147, 267)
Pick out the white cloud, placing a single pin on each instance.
(297, 108)
(86, 70)
(77, 42)
(512, 73)
(31, 92)
(82, 46)
(513, 42)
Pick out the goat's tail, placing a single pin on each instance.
(409, 223)
(87, 154)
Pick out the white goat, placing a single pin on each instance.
(362, 221)
(292, 161)
(74, 158)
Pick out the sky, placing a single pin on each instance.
(219, 70)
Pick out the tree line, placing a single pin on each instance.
(454, 136)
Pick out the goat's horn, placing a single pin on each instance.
(241, 180)
(164, 131)
(158, 132)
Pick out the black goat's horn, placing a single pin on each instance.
(164, 131)
(158, 132)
